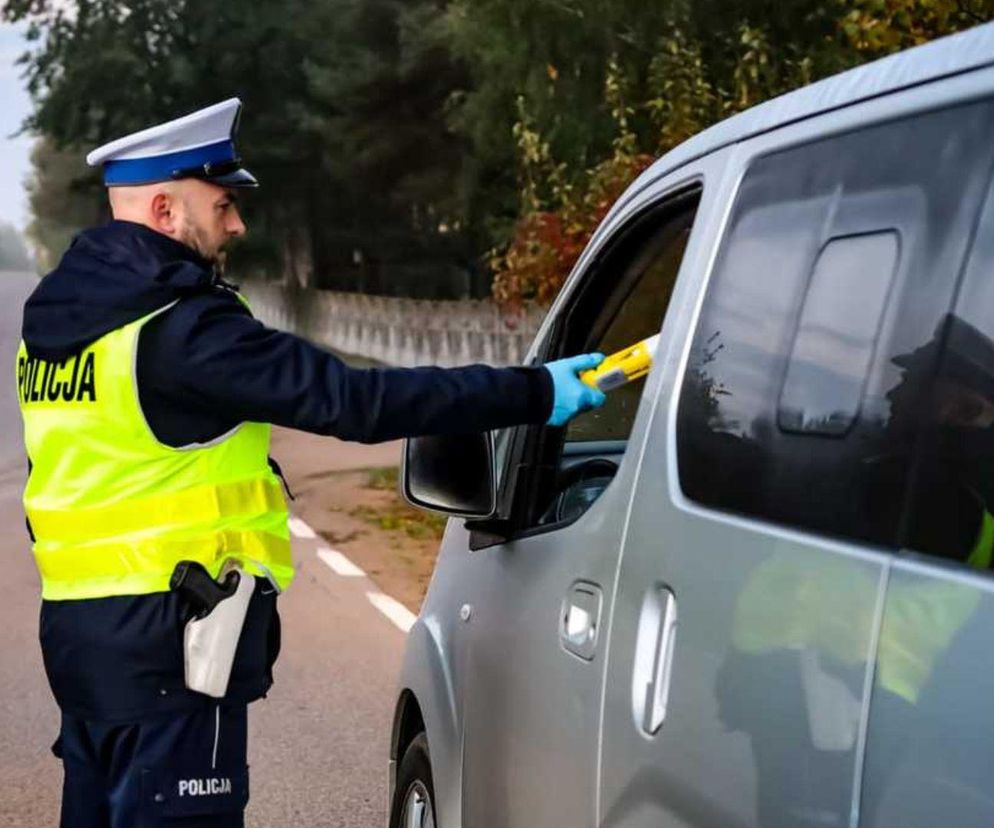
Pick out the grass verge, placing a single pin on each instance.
(397, 515)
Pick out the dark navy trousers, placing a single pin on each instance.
(181, 770)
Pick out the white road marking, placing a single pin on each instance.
(400, 615)
(339, 564)
(394, 610)
(299, 529)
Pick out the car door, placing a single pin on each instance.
(533, 646)
(769, 501)
(930, 741)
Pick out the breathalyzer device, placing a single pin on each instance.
(622, 366)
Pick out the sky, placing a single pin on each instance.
(15, 105)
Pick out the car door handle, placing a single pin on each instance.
(653, 667)
(580, 619)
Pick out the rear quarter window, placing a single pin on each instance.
(841, 256)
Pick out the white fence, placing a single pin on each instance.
(395, 331)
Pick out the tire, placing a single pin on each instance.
(413, 803)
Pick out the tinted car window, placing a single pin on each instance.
(792, 409)
(950, 511)
(830, 359)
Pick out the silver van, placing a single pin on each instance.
(753, 589)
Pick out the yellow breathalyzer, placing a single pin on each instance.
(622, 366)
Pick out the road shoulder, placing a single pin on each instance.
(346, 493)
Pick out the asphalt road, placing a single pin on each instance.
(318, 743)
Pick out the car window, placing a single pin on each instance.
(550, 476)
(830, 359)
(840, 263)
(652, 275)
(951, 511)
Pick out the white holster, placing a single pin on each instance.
(209, 643)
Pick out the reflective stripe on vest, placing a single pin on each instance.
(113, 509)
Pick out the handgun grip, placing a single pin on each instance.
(194, 583)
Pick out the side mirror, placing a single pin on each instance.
(454, 474)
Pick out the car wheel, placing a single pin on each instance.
(414, 797)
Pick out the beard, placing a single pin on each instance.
(198, 240)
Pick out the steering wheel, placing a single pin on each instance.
(578, 486)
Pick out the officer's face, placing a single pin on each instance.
(210, 218)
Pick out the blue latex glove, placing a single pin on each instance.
(570, 394)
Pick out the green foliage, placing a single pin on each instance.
(685, 66)
(559, 213)
(417, 146)
(64, 195)
(345, 121)
(685, 100)
(396, 515)
(878, 27)
(383, 478)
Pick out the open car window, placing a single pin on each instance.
(552, 475)
(638, 315)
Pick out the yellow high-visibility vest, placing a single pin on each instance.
(112, 509)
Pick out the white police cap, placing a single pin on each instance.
(198, 145)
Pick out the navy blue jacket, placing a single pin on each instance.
(204, 366)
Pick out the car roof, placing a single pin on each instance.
(941, 58)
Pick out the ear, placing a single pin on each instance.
(164, 214)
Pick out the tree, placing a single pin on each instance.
(383, 94)
(13, 254)
(64, 195)
(878, 28)
(419, 146)
(345, 119)
(694, 63)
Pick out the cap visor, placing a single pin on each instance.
(238, 178)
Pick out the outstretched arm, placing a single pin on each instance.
(211, 354)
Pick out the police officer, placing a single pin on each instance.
(147, 390)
